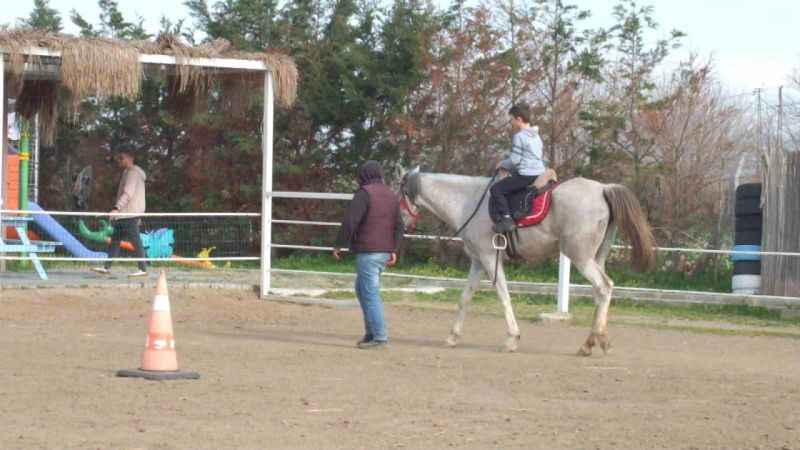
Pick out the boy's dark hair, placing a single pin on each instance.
(521, 110)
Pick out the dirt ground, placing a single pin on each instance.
(278, 375)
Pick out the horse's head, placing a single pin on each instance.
(409, 188)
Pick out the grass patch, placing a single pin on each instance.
(725, 319)
(623, 276)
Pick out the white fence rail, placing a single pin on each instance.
(564, 264)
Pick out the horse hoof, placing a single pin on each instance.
(605, 344)
(585, 351)
(451, 341)
(510, 345)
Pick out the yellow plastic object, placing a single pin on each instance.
(206, 264)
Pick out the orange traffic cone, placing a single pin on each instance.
(159, 360)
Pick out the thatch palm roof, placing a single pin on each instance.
(104, 67)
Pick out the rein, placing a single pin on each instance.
(404, 204)
(477, 208)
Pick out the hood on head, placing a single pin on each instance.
(532, 131)
(369, 172)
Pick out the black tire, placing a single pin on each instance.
(752, 237)
(749, 190)
(747, 268)
(747, 206)
(748, 223)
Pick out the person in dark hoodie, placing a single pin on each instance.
(372, 229)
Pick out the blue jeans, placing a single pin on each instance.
(369, 267)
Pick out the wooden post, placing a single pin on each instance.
(780, 275)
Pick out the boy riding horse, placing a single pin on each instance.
(524, 164)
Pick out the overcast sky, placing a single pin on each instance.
(753, 43)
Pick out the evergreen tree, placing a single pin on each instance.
(112, 23)
(357, 62)
(247, 24)
(43, 17)
(636, 66)
(571, 65)
(87, 29)
(613, 120)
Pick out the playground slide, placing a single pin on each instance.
(59, 233)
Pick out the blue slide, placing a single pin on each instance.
(59, 233)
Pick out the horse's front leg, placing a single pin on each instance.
(466, 296)
(501, 286)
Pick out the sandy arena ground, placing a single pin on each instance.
(278, 375)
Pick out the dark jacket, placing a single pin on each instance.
(372, 222)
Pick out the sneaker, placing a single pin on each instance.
(363, 340)
(377, 345)
(101, 270)
(138, 273)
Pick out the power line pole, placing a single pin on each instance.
(780, 118)
(758, 120)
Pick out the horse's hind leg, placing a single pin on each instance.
(601, 287)
(466, 296)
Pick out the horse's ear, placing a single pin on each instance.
(412, 183)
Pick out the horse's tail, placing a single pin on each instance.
(627, 214)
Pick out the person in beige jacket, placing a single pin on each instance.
(128, 208)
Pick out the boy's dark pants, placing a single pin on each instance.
(506, 186)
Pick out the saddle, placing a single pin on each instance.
(531, 205)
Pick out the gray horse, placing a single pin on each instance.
(582, 224)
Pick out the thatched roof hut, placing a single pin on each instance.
(103, 67)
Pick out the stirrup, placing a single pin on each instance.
(499, 241)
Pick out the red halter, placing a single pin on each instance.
(407, 208)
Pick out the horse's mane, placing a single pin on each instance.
(456, 179)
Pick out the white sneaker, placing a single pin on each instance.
(101, 270)
(138, 273)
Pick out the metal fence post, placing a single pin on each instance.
(563, 283)
(266, 184)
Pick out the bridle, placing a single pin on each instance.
(408, 206)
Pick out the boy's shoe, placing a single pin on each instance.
(505, 225)
(138, 273)
(376, 345)
(101, 270)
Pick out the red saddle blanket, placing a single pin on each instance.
(539, 208)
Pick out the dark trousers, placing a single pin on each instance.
(507, 186)
(126, 230)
